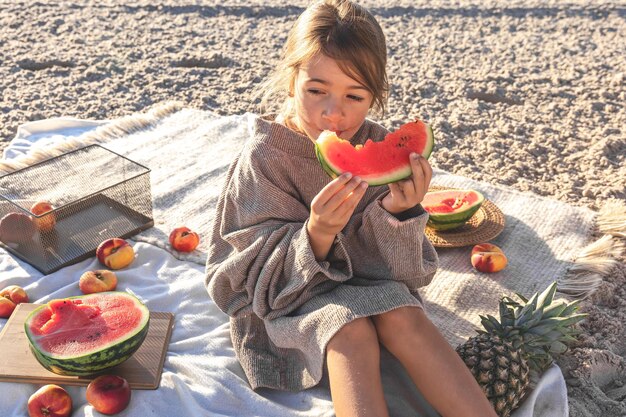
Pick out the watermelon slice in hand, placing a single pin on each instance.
(377, 163)
(87, 334)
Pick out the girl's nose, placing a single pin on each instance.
(334, 110)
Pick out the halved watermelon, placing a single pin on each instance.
(87, 334)
(449, 209)
(377, 163)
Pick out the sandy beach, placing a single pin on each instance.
(526, 94)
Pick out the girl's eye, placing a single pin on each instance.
(314, 91)
(355, 98)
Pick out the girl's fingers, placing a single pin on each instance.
(331, 189)
(394, 190)
(424, 181)
(397, 191)
(342, 194)
(418, 173)
(349, 204)
(428, 171)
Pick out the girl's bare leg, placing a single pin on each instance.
(433, 365)
(353, 359)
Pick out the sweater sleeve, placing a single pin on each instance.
(260, 258)
(390, 246)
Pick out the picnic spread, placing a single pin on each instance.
(193, 366)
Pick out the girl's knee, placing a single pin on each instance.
(358, 332)
(399, 324)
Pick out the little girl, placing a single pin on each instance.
(315, 272)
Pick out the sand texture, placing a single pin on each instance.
(530, 94)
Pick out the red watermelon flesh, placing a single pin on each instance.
(376, 163)
(450, 204)
(71, 326)
(449, 209)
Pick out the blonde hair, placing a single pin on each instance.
(341, 30)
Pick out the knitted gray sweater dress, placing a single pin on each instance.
(284, 305)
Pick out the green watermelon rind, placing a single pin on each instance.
(430, 145)
(95, 362)
(400, 174)
(451, 221)
(332, 174)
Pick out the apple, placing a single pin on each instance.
(47, 221)
(50, 401)
(487, 257)
(184, 239)
(17, 228)
(115, 253)
(108, 394)
(10, 297)
(97, 281)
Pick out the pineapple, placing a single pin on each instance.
(509, 353)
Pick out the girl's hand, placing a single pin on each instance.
(332, 207)
(331, 210)
(408, 193)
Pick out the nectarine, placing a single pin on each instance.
(17, 228)
(6, 307)
(97, 281)
(487, 257)
(115, 253)
(184, 239)
(45, 222)
(10, 297)
(50, 401)
(108, 394)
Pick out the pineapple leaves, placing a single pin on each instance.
(571, 308)
(547, 295)
(554, 310)
(553, 323)
(521, 297)
(507, 315)
(537, 327)
(491, 324)
(527, 310)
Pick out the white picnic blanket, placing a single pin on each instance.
(201, 374)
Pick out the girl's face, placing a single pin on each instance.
(328, 99)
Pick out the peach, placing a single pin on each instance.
(6, 307)
(487, 257)
(10, 297)
(97, 281)
(15, 293)
(108, 394)
(50, 401)
(17, 228)
(46, 222)
(115, 253)
(184, 239)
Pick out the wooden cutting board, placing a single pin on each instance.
(142, 370)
